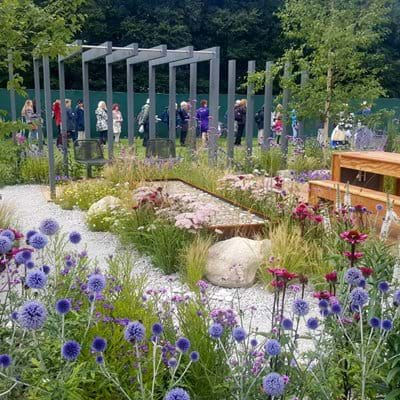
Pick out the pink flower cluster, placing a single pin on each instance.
(148, 197)
(196, 219)
(304, 211)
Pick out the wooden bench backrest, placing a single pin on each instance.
(88, 150)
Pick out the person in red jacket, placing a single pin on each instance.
(56, 111)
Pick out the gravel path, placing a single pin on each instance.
(32, 207)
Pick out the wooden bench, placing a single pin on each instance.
(365, 172)
(89, 153)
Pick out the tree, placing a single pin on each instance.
(336, 41)
(30, 29)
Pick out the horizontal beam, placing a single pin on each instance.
(95, 53)
(76, 48)
(174, 55)
(198, 56)
(122, 54)
(148, 55)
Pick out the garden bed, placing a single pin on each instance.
(232, 219)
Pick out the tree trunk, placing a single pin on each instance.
(329, 83)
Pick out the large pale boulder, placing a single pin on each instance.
(233, 263)
(104, 205)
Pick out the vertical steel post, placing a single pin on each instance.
(171, 103)
(267, 104)
(152, 97)
(12, 90)
(214, 106)
(86, 98)
(130, 103)
(49, 124)
(230, 110)
(193, 104)
(285, 104)
(63, 127)
(109, 96)
(251, 68)
(36, 76)
(303, 82)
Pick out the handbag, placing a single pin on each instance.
(141, 129)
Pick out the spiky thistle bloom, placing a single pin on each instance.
(71, 350)
(32, 315)
(49, 227)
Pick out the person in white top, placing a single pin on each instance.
(117, 122)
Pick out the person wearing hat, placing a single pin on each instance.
(80, 120)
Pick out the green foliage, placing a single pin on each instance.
(36, 169)
(7, 215)
(270, 161)
(9, 162)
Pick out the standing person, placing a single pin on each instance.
(184, 118)
(80, 120)
(56, 111)
(259, 119)
(143, 122)
(295, 124)
(70, 120)
(278, 128)
(101, 123)
(240, 118)
(28, 116)
(117, 122)
(202, 116)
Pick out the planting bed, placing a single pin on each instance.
(230, 219)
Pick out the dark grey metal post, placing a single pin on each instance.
(230, 110)
(93, 54)
(192, 105)
(145, 55)
(267, 104)
(63, 127)
(130, 103)
(36, 76)
(171, 103)
(171, 57)
(285, 104)
(12, 90)
(251, 68)
(110, 130)
(214, 106)
(303, 82)
(49, 125)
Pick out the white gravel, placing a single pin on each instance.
(32, 207)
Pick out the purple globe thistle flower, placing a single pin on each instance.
(183, 344)
(5, 244)
(71, 350)
(134, 332)
(30, 265)
(75, 237)
(49, 227)
(36, 279)
(194, 356)
(336, 308)
(362, 283)
(387, 325)
(172, 362)
(353, 276)
(396, 297)
(99, 359)
(287, 324)
(14, 315)
(323, 304)
(312, 323)
(8, 233)
(383, 286)
(5, 360)
(63, 306)
(379, 207)
(32, 315)
(96, 283)
(29, 234)
(157, 329)
(216, 330)
(358, 297)
(99, 344)
(46, 269)
(177, 394)
(23, 256)
(38, 241)
(300, 307)
(374, 322)
(273, 384)
(253, 342)
(239, 334)
(272, 347)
